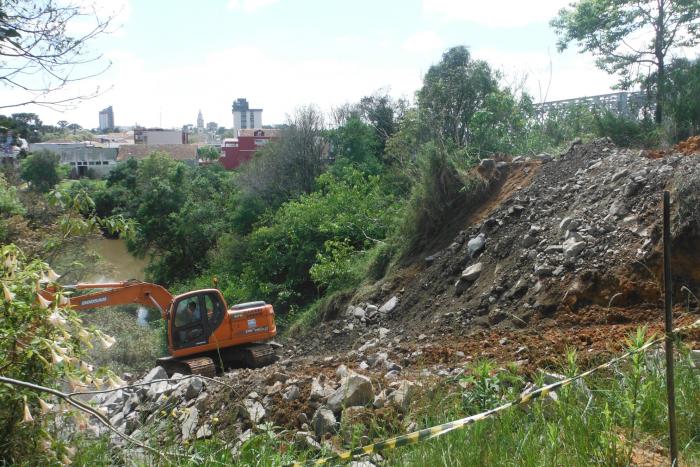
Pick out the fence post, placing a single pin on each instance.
(668, 308)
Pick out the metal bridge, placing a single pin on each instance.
(623, 103)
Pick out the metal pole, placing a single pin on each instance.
(668, 297)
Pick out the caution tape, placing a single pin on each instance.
(439, 430)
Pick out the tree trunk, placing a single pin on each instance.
(661, 68)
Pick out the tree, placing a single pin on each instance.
(26, 125)
(62, 124)
(42, 170)
(209, 153)
(383, 113)
(453, 90)
(629, 36)
(682, 97)
(40, 55)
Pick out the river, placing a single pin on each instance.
(119, 265)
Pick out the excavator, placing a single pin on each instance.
(204, 335)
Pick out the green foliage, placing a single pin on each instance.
(43, 170)
(355, 144)
(44, 342)
(138, 344)
(626, 132)
(453, 91)
(563, 125)
(333, 267)
(502, 125)
(180, 212)
(208, 153)
(681, 100)
(434, 199)
(10, 205)
(24, 125)
(274, 261)
(609, 29)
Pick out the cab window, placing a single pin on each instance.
(214, 309)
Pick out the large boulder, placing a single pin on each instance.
(189, 425)
(476, 245)
(323, 422)
(389, 306)
(354, 390)
(402, 396)
(472, 272)
(155, 374)
(253, 410)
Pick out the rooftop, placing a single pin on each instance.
(179, 152)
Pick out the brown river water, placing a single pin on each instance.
(120, 264)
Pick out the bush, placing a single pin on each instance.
(42, 342)
(43, 170)
(436, 196)
(626, 132)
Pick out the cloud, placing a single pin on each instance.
(423, 41)
(249, 6)
(495, 13)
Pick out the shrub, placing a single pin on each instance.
(43, 342)
(43, 170)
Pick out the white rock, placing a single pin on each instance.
(354, 390)
(253, 410)
(189, 425)
(471, 273)
(156, 373)
(389, 306)
(323, 422)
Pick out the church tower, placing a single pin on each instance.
(200, 123)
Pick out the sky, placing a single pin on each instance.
(172, 58)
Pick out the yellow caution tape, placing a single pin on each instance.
(439, 430)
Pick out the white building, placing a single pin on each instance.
(244, 117)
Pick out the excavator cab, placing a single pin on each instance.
(195, 317)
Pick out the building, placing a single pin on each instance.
(84, 158)
(160, 136)
(106, 118)
(200, 122)
(237, 151)
(186, 153)
(244, 117)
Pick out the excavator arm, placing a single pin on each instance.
(118, 293)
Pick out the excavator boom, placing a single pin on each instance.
(119, 293)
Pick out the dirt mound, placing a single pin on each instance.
(689, 147)
(558, 246)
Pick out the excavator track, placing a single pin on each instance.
(203, 366)
(259, 355)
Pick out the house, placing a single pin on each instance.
(237, 151)
(186, 153)
(81, 156)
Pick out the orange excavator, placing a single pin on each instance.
(203, 333)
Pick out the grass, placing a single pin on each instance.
(137, 346)
(616, 417)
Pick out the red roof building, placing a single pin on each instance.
(237, 151)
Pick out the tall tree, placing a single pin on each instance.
(40, 54)
(453, 90)
(628, 37)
